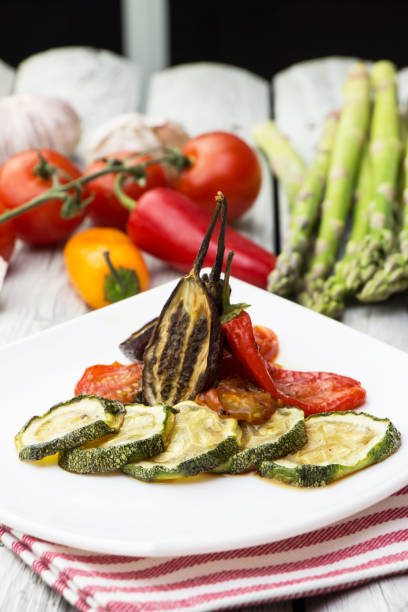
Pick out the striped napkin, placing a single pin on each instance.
(370, 544)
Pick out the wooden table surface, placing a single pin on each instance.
(36, 293)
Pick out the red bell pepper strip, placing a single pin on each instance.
(237, 327)
(170, 226)
(240, 340)
(311, 391)
(268, 345)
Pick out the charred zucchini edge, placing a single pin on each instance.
(320, 475)
(247, 459)
(109, 459)
(196, 453)
(114, 415)
(206, 462)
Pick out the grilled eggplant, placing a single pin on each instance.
(183, 354)
(134, 346)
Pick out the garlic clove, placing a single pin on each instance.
(133, 132)
(37, 122)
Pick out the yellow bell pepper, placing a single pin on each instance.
(105, 266)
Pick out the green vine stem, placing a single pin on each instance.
(72, 202)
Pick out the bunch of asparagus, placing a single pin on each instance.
(357, 166)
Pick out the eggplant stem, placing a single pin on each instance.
(215, 274)
(229, 311)
(199, 260)
(226, 304)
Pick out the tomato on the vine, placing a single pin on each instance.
(7, 237)
(20, 182)
(220, 161)
(105, 209)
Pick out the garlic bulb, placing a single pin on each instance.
(31, 121)
(133, 132)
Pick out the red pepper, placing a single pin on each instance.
(311, 391)
(170, 226)
(239, 335)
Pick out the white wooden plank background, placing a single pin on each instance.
(203, 97)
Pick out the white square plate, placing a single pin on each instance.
(119, 515)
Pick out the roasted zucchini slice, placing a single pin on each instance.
(69, 424)
(200, 441)
(283, 433)
(144, 433)
(338, 443)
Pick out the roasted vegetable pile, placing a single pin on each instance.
(204, 395)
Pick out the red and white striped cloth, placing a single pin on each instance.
(370, 544)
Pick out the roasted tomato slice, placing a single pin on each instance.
(267, 342)
(115, 381)
(240, 399)
(318, 391)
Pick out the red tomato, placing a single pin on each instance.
(318, 391)
(240, 399)
(105, 209)
(267, 342)
(221, 161)
(7, 237)
(115, 381)
(18, 184)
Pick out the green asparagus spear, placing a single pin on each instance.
(385, 151)
(285, 162)
(304, 215)
(392, 277)
(329, 298)
(345, 160)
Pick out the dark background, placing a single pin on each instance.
(262, 35)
